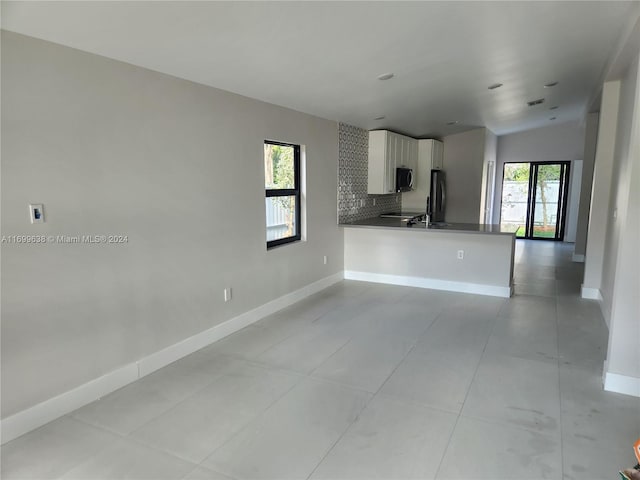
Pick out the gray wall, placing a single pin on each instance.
(554, 143)
(111, 148)
(600, 211)
(620, 283)
(623, 355)
(620, 183)
(575, 180)
(590, 142)
(464, 155)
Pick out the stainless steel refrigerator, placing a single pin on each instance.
(436, 202)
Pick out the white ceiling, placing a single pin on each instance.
(324, 58)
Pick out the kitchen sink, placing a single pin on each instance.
(401, 216)
(410, 219)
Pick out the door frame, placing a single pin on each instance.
(563, 194)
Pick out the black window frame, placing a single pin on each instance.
(288, 192)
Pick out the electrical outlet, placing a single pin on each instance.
(362, 202)
(324, 259)
(460, 254)
(374, 201)
(227, 294)
(36, 213)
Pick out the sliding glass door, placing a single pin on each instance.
(534, 199)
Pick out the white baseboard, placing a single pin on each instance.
(433, 283)
(595, 294)
(43, 413)
(614, 382)
(577, 258)
(591, 293)
(192, 344)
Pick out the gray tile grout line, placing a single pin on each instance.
(94, 454)
(121, 438)
(284, 339)
(254, 359)
(301, 376)
(469, 389)
(128, 436)
(246, 425)
(373, 395)
(349, 341)
(262, 412)
(208, 470)
(560, 422)
(257, 414)
(475, 374)
(188, 397)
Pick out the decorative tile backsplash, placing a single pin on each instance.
(354, 203)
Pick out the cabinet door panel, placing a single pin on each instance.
(398, 155)
(390, 184)
(438, 151)
(406, 146)
(377, 163)
(413, 154)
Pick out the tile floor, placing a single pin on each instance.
(369, 381)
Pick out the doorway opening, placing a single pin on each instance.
(534, 199)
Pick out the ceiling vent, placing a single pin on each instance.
(535, 102)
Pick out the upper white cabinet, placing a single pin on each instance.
(412, 152)
(387, 151)
(430, 154)
(406, 151)
(382, 163)
(437, 154)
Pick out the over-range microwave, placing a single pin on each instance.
(404, 179)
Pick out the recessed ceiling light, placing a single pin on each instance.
(381, 117)
(494, 86)
(385, 76)
(552, 118)
(452, 122)
(554, 107)
(549, 85)
(535, 102)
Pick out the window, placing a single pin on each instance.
(282, 192)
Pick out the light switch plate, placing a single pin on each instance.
(36, 213)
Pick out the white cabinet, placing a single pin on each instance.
(414, 153)
(388, 150)
(437, 154)
(408, 154)
(430, 154)
(382, 165)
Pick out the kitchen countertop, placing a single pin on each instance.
(397, 223)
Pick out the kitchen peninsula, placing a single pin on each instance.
(471, 258)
